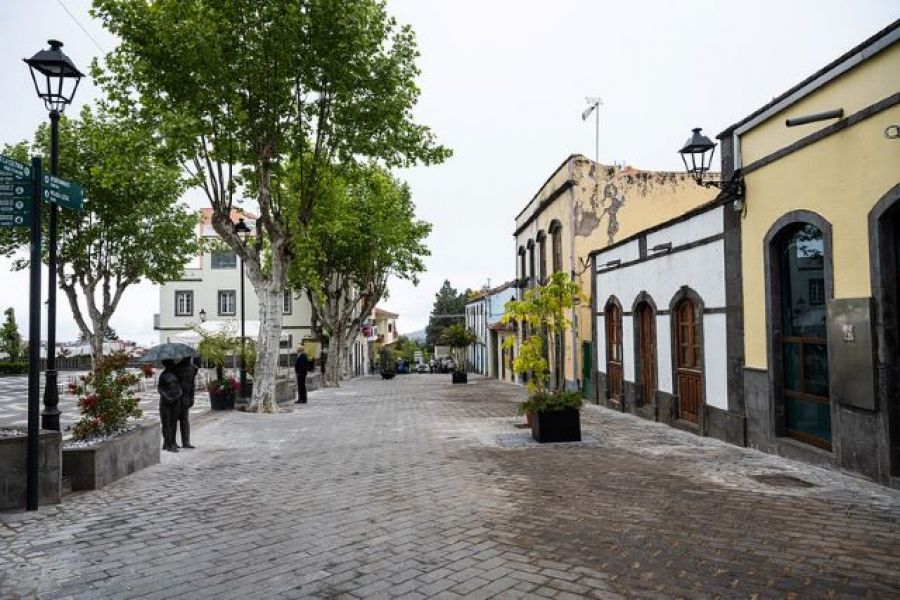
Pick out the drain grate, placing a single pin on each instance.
(779, 480)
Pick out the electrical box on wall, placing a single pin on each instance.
(851, 352)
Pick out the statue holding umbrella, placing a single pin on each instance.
(176, 390)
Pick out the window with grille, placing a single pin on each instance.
(287, 303)
(224, 259)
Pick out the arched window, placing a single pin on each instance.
(542, 257)
(556, 241)
(802, 342)
(531, 273)
(613, 313)
(522, 272)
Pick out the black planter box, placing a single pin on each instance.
(460, 377)
(222, 401)
(557, 426)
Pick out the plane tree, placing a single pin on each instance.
(240, 88)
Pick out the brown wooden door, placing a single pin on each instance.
(689, 370)
(614, 352)
(647, 353)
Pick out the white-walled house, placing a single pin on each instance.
(483, 312)
(210, 292)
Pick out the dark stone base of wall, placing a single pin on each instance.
(14, 469)
(97, 466)
(726, 426)
(666, 404)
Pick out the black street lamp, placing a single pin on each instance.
(697, 154)
(55, 80)
(242, 230)
(202, 315)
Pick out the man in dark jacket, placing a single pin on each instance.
(187, 373)
(169, 396)
(302, 366)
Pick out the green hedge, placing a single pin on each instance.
(13, 368)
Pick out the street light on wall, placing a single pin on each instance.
(202, 315)
(242, 230)
(56, 79)
(697, 154)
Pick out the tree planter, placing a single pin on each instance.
(460, 377)
(93, 467)
(556, 426)
(221, 400)
(13, 469)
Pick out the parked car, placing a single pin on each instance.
(422, 368)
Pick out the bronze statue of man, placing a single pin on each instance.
(187, 374)
(169, 396)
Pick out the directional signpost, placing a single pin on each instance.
(64, 193)
(15, 202)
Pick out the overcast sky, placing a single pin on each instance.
(503, 84)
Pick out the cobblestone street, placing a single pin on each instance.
(416, 488)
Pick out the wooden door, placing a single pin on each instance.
(689, 370)
(614, 352)
(647, 349)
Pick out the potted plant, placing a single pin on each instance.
(554, 412)
(458, 337)
(388, 363)
(215, 348)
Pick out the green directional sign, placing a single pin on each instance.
(14, 168)
(64, 193)
(15, 203)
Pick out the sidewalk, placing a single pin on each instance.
(416, 488)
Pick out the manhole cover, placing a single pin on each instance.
(777, 480)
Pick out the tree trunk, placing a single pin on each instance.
(334, 366)
(267, 348)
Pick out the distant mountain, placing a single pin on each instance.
(416, 336)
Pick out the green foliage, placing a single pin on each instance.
(248, 355)
(13, 368)
(104, 398)
(548, 402)
(132, 227)
(216, 347)
(457, 336)
(447, 301)
(542, 313)
(10, 339)
(406, 348)
(387, 360)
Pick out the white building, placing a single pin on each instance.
(209, 292)
(483, 311)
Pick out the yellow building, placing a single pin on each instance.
(581, 207)
(820, 257)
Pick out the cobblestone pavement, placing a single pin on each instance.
(417, 488)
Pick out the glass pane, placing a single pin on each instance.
(792, 376)
(815, 369)
(810, 418)
(802, 283)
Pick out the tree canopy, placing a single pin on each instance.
(449, 308)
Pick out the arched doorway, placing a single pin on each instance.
(688, 360)
(801, 342)
(613, 313)
(645, 344)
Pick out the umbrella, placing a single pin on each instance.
(171, 351)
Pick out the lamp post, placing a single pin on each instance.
(595, 104)
(242, 230)
(697, 154)
(202, 315)
(55, 80)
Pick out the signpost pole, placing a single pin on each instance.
(50, 414)
(34, 341)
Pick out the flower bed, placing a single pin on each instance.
(92, 463)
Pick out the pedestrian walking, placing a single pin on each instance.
(187, 375)
(302, 366)
(169, 390)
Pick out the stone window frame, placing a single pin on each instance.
(555, 230)
(187, 294)
(542, 256)
(644, 298)
(221, 294)
(221, 253)
(532, 278)
(613, 300)
(772, 267)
